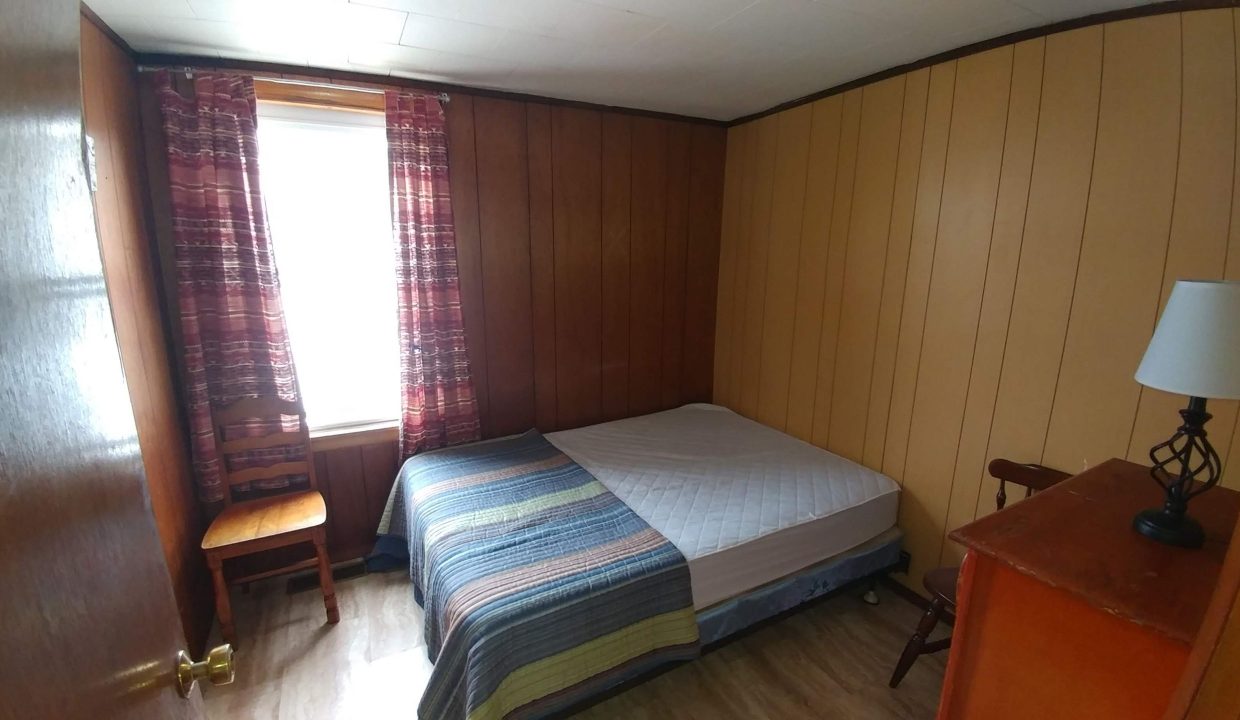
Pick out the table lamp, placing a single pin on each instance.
(1195, 351)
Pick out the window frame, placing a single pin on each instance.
(312, 103)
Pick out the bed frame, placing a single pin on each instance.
(730, 620)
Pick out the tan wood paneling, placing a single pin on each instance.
(787, 204)
(983, 249)
(757, 249)
(913, 124)
(820, 178)
(1054, 221)
(958, 275)
(921, 254)
(1229, 411)
(1199, 218)
(1119, 275)
(1001, 264)
(837, 256)
(878, 151)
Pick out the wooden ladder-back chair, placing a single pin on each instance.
(295, 515)
(941, 582)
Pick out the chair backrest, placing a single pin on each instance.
(1032, 477)
(263, 423)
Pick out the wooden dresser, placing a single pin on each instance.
(1066, 612)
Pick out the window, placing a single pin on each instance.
(325, 184)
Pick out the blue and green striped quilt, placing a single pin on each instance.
(540, 587)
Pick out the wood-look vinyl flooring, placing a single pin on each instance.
(831, 660)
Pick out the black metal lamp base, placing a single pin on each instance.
(1184, 467)
(1169, 528)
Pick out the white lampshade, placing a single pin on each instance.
(1195, 350)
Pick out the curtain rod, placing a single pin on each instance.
(189, 71)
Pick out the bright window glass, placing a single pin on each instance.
(325, 184)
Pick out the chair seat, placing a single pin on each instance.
(942, 582)
(265, 518)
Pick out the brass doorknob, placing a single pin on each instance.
(217, 669)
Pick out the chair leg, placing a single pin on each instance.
(917, 643)
(325, 579)
(223, 608)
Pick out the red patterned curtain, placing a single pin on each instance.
(228, 294)
(438, 406)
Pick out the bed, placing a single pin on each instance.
(635, 543)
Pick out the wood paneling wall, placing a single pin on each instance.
(966, 261)
(110, 100)
(355, 476)
(588, 245)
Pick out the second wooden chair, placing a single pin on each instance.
(941, 582)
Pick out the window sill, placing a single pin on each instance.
(334, 438)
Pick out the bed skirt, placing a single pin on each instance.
(731, 616)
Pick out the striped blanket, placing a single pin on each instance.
(540, 587)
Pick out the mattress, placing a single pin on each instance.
(744, 503)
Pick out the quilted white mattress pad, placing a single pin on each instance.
(744, 503)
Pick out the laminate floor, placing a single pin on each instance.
(829, 661)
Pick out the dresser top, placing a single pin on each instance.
(1078, 536)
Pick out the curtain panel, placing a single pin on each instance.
(235, 343)
(438, 404)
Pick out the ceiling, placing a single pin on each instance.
(708, 58)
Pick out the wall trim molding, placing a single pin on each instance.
(1160, 8)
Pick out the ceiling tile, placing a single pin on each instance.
(687, 13)
(435, 33)
(305, 22)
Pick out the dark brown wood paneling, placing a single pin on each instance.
(617, 186)
(463, 167)
(355, 481)
(504, 225)
(575, 160)
(380, 462)
(649, 228)
(675, 259)
(702, 265)
(542, 263)
(110, 94)
(346, 522)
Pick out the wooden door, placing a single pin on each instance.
(88, 625)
